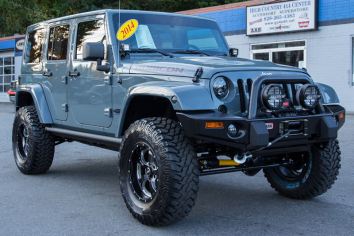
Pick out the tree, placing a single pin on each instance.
(17, 15)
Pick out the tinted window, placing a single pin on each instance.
(58, 42)
(90, 31)
(34, 46)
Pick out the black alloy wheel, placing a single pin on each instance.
(32, 145)
(22, 142)
(158, 171)
(143, 169)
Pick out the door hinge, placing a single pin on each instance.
(108, 112)
(108, 80)
(64, 79)
(65, 107)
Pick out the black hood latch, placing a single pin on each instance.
(198, 74)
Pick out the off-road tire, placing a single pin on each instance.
(324, 164)
(40, 144)
(177, 171)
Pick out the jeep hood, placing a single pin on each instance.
(187, 66)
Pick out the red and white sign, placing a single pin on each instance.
(304, 24)
(285, 16)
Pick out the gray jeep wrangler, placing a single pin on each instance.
(167, 93)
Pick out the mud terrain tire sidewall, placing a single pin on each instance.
(40, 144)
(178, 171)
(320, 174)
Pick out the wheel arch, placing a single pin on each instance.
(329, 95)
(27, 95)
(155, 100)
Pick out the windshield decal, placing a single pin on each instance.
(127, 29)
(144, 38)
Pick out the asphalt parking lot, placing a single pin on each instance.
(80, 195)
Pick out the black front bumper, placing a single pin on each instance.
(255, 133)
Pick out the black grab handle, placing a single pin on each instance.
(47, 73)
(73, 73)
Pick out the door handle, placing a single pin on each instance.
(47, 73)
(74, 73)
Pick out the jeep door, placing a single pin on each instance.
(90, 95)
(55, 69)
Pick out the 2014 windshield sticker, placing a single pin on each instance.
(127, 30)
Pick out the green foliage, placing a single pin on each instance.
(16, 15)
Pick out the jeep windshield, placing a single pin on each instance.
(173, 34)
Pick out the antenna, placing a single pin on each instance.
(119, 81)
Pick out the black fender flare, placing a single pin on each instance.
(38, 98)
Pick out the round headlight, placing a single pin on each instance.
(221, 87)
(273, 96)
(308, 96)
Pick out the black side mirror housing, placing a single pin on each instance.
(95, 52)
(233, 52)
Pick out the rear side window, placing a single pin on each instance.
(89, 31)
(58, 42)
(34, 46)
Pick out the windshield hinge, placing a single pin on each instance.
(198, 74)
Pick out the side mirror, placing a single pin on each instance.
(233, 52)
(93, 52)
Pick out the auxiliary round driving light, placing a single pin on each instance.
(232, 130)
(308, 96)
(272, 96)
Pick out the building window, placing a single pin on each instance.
(286, 53)
(7, 73)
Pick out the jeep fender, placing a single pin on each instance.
(328, 94)
(38, 98)
(189, 96)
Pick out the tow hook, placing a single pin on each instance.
(240, 159)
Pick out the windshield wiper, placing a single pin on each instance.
(192, 52)
(149, 50)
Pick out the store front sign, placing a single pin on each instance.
(289, 16)
(19, 43)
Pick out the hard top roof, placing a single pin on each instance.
(111, 11)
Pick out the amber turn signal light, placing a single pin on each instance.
(341, 115)
(214, 125)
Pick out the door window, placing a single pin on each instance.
(285, 53)
(58, 42)
(89, 31)
(34, 46)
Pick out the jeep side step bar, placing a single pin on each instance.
(92, 139)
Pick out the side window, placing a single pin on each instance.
(58, 42)
(89, 31)
(34, 46)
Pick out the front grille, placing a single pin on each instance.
(242, 93)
